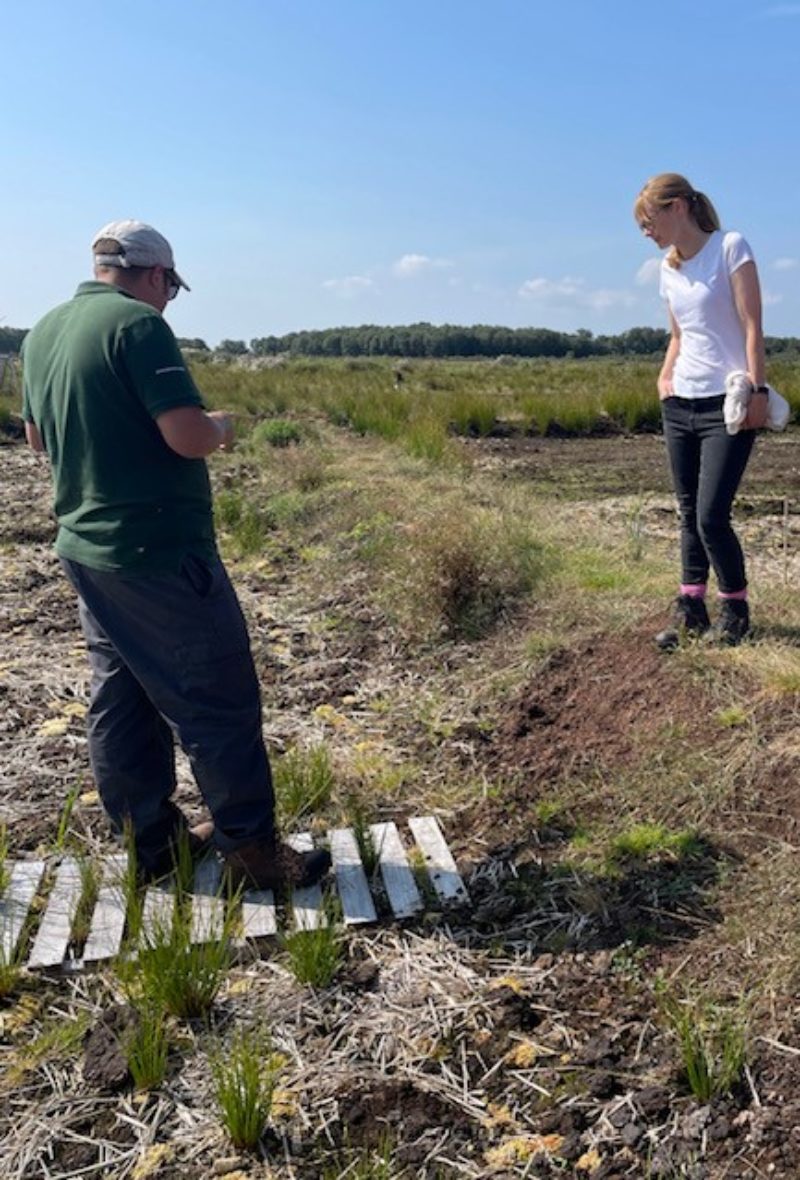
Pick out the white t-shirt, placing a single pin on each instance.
(700, 298)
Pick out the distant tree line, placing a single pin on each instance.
(432, 341)
(481, 340)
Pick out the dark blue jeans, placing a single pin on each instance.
(170, 659)
(707, 466)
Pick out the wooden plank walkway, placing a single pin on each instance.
(392, 889)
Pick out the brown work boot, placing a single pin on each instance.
(276, 866)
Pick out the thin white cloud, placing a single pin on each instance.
(350, 286)
(648, 272)
(770, 298)
(575, 292)
(415, 264)
(784, 264)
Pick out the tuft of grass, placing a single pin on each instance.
(303, 781)
(461, 571)
(90, 887)
(276, 432)
(732, 717)
(646, 841)
(244, 523)
(147, 1045)
(66, 815)
(712, 1040)
(316, 955)
(245, 1074)
(172, 973)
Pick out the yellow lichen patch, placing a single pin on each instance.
(89, 797)
(26, 1010)
(330, 716)
(285, 1104)
(525, 1054)
(510, 981)
(55, 727)
(498, 1116)
(239, 987)
(590, 1161)
(150, 1163)
(521, 1148)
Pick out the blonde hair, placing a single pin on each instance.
(667, 187)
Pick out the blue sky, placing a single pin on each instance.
(326, 162)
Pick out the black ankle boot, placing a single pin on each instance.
(732, 625)
(689, 617)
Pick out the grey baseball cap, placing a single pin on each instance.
(141, 245)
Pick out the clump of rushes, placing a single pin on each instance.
(276, 432)
(245, 1074)
(65, 817)
(171, 971)
(315, 955)
(303, 781)
(357, 820)
(90, 887)
(712, 1040)
(462, 570)
(146, 1045)
(241, 522)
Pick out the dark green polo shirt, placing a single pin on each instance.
(97, 373)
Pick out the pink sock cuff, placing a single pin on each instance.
(735, 595)
(694, 589)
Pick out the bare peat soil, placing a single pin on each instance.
(552, 1057)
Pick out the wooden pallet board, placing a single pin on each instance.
(351, 879)
(259, 914)
(55, 929)
(398, 879)
(108, 920)
(307, 904)
(439, 862)
(23, 883)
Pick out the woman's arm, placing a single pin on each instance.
(747, 297)
(665, 376)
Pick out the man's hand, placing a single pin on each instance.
(225, 422)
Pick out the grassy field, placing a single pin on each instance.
(452, 588)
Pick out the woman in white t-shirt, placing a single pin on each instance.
(710, 283)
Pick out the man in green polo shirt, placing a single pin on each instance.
(107, 395)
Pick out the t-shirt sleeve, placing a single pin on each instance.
(156, 368)
(737, 251)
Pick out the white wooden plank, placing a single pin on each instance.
(52, 937)
(23, 881)
(306, 903)
(351, 880)
(442, 869)
(258, 914)
(208, 905)
(108, 920)
(157, 910)
(398, 879)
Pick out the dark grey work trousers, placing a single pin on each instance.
(707, 466)
(170, 659)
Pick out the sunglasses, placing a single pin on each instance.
(171, 284)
